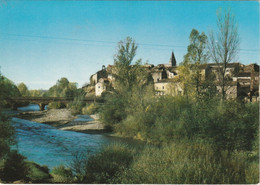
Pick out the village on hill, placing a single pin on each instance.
(243, 80)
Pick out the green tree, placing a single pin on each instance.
(63, 88)
(130, 87)
(7, 90)
(131, 80)
(36, 93)
(190, 76)
(23, 89)
(6, 129)
(125, 76)
(223, 45)
(196, 55)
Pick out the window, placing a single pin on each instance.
(162, 87)
(98, 86)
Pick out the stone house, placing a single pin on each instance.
(242, 81)
(100, 74)
(101, 86)
(161, 87)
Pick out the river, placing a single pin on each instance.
(49, 146)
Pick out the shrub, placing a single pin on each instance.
(228, 125)
(113, 111)
(90, 109)
(56, 105)
(130, 127)
(77, 104)
(15, 167)
(37, 173)
(7, 138)
(75, 108)
(62, 175)
(105, 165)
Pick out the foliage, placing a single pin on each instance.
(23, 89)
(15, 167)
(6, 136)
(77, 104)
(7, 90)
(90, 109)
(36, 93)
(252, 173)
(189, 72)
(168, 119)
(105, 165)
(62, 174)
(113, 111)
(131, 85)
(37, 173)
(56, 105)
(185, 163)
(196, 51)
(6, 129)
(63, 88)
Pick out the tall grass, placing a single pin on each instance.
(176, 163)
(105, 165)
(187, 163)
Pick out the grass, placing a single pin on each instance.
(37, 173)
(188, 163)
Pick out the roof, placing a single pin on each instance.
(255, 67)
(235, 64)
(243, 74)
(165, 81)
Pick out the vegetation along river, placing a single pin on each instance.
(49, 146)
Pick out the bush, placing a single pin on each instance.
(77, 104)
(37, 173)
(228, 125)
(7, 138)
(75, 108)
(15, 168)
(56, 105)
(90, 109)
(62, 175)
(105, 165)
(113, 111)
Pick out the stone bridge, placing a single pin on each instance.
(43, 101)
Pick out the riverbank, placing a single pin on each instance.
(64, 120)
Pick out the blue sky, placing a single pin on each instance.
(40, 42)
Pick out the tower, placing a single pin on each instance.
(172, 61)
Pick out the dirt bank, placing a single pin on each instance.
(63, 119)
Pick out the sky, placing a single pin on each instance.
(42, 41)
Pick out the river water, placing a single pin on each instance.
(49, 146)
